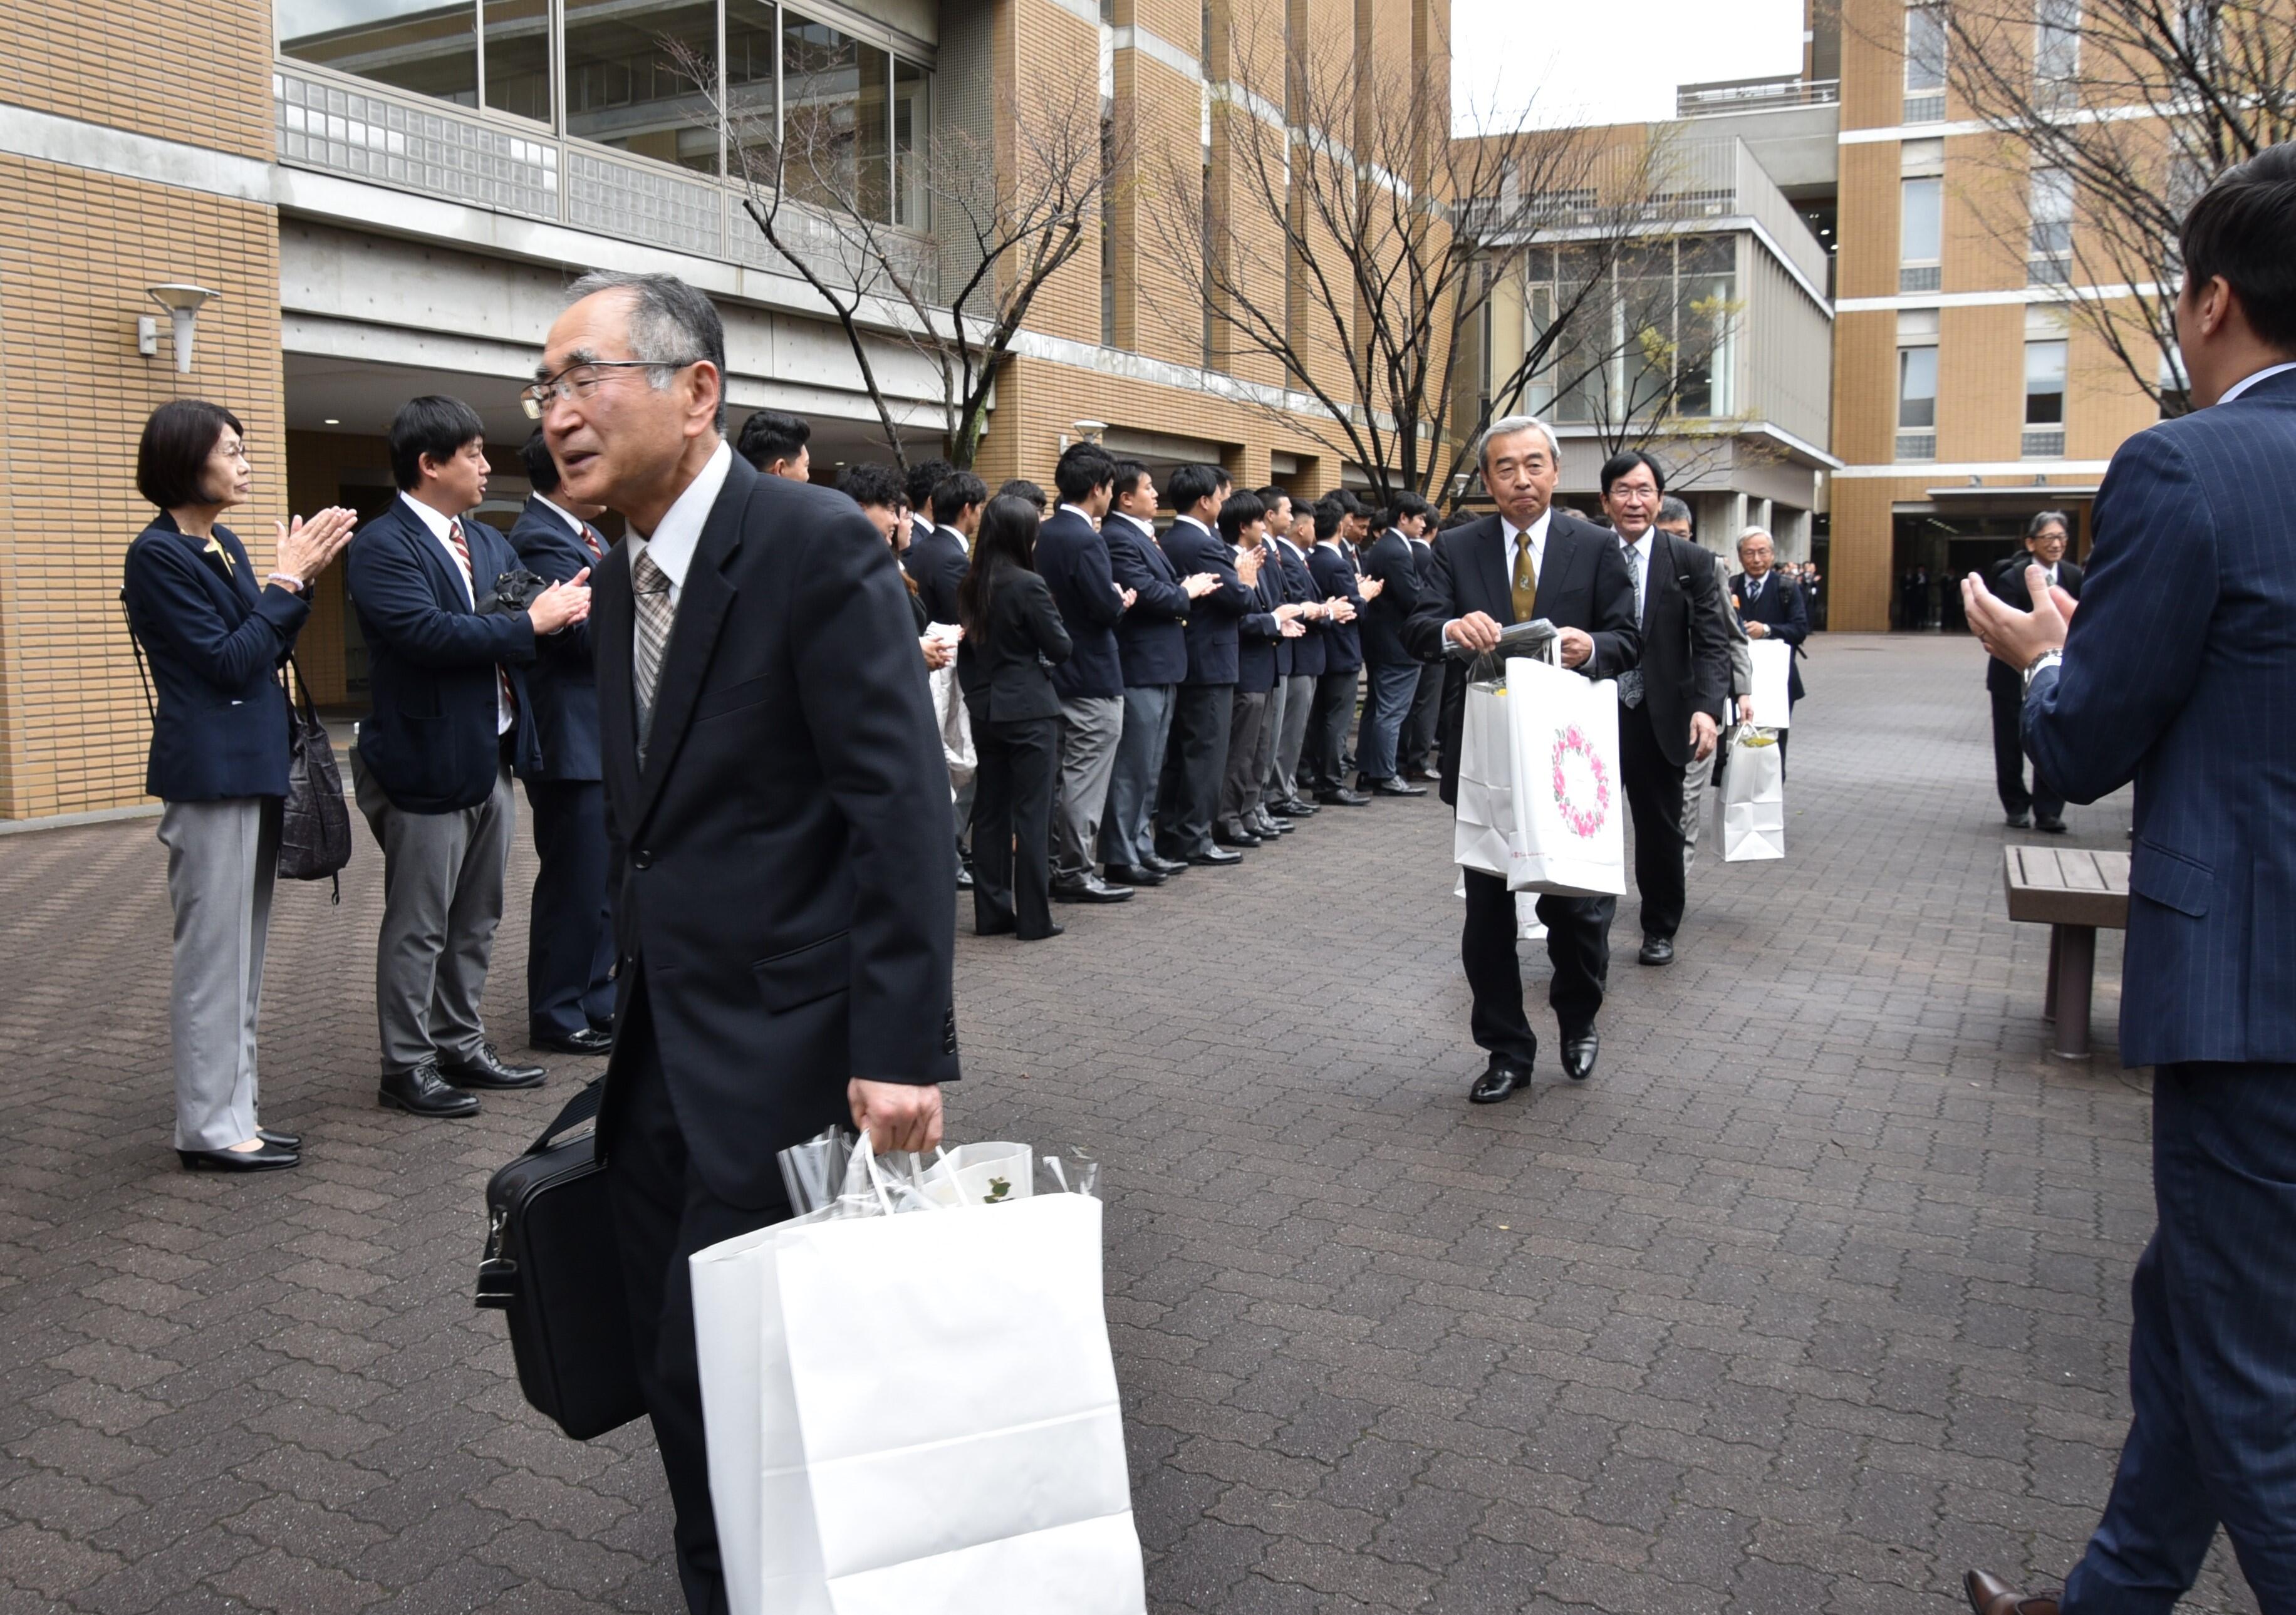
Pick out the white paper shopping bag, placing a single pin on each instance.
(1750, 810)
(1568, 803)
(1483, 829)
(1773, 661)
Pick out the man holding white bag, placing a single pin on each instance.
(1526, 562)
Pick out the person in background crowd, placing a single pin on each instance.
(876, 489)
(1416, 747)
(1072, 559)
(1298, 660)
(937, 559)
(2039, 808)
(918, 483)
(1526, 562)
(2179, 672)
(775, 444)
(1393, 671)
(431, 764)
(1771, 607)
(570, 948)
(1012, 634)
(217, 638)
(1334, 571)
(1152, 647)
(1674, 522)
(1021, 488)
(1195, 758)
(1259, 631)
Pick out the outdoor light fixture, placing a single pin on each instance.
(182, 302)
(1089, 432)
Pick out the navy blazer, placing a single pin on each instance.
(1583, 583)
(1786, 610)
(937, 559)
(1259, 637)
(1212, 620)
(1151, 641)
(1335, 575)
(1307, 652)
(2180, 674)
(430, 742)
(215, 642)
(1392, 562)
(1072, 559)
(561, 687)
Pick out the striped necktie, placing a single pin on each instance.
(591, 542)
(654, 612)
(1630, 682)
(462, 548)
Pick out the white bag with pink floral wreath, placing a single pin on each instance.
(1540, 802)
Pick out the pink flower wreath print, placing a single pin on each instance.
(1582, 784)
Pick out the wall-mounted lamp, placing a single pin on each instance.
(1088, 432)
(182, 302)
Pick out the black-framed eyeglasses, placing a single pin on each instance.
(580, 380)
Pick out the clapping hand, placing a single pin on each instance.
(1200, 584)
(2015, 637)
(1369, 587)
(1339, 608)
(561, 605)
(1247, 566)
(305, 548)
(1128, 596)
(1290, 627)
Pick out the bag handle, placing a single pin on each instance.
(583, 1107)
(143, 677)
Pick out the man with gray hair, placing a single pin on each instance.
(1771, 606)
(774, 779)
(1674, 518)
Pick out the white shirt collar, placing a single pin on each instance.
(953, 533)
(2247, 381)
(565, 515)
(1142, 522)
(1285, 540)
(431, 519)
(1193, 522)
(1080, 510)
(674, 539)
(1538, 531)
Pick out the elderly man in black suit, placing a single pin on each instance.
(774, 779)
(1769, 604)
(570, 947)
(2045, 547)
(1528, 562)
(1671, 702)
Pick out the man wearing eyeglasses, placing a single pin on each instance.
(775, 781)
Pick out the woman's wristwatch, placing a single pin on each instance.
(2047, 659)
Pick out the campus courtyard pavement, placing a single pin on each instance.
(1815, 1295)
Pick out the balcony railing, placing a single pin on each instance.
(2044, 443)
(1925, 108)
(1916, 446)
(1920, 277)
(1760, 96)
(433, 149)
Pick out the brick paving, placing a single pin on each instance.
(1815, 1295)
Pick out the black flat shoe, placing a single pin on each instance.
(270, 1158)
(1215, 855)
(1656, 950)
(1503, 1077)
(1234, 836)
(422, 1092)
(585, 1042)
(1132, 874)
(1055, 930)
(1579, 1054)
(284, 1141)
(488, 1069)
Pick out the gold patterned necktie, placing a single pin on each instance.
(1526, 580)
(654, 612)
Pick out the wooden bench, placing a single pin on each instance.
(2074, 893)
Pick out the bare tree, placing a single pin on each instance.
(2112, 116)
(824, 198)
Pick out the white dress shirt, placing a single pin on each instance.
(953, 533)
(672, 542)
(1193, 522)
(1754, 586)
(1538, 531)
(580, 526)
(2247, 381)
(438, 525)
(1090, 520)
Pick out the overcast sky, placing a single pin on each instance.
(1610, 60)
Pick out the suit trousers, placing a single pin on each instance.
(2211, 1352)
(1012, 824)
(1697, 778)
(1655, 797)
(1196, 762)
(1393, 685)
(1127, 831)
(1240, 781)
(222, 858)
(1299, 703)
(1090, 727)
(1325, 755)
(663, 1213)
(442, 898)
(1578, 944)
(1417, 751)
(2009, 758)
(570, 947)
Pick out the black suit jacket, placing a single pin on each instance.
(1151, 641)
(1259, 637)
(1582, 584)
(1212, 617)
(2007, 581)
(1072, 559)
(1306, 652)
(785, 894)
(937, 558)
(1001, 664)
(1785, 608)
(1391, 562)
(561, 687)
(1685, 659)
(1334, 571)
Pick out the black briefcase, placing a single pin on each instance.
(549, 1267)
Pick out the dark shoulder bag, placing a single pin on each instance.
(314, 821)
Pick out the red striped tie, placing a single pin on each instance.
(462, 548)
(590, 539)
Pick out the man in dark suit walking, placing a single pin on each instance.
(1072, 559)
(570, 948)
(2045, 547)
(2179, 672)
(1528, 562)
(431, 764)
(774, 777)
(1394, 671)
(1770, 605)
(1195, 758)
(1671, 701)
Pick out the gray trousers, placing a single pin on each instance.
(222, 858)
(1247, 764)
(442, 897)
(1125, 837)
(1089, 729)
(1697, 779)
(1291, 735)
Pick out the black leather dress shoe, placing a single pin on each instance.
(1265, 824)
(1230, 833)
(1053, 930)
(1292, 807)
(422, 1092)
(587, 1041)
(964, 880)
(486, 1069)
(284, 1141)
(1091, 889)
(1502, 1078)
(1165, 867)
(2048, 824)
(1337, 798)
(1656, 950)
(269, 1157)
(1396, 787)
(2020, 821)
(1578, 1052)
(1214, 855)
(1134, 874)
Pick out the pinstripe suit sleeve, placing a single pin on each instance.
(2138, 640)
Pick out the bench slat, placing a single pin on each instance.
(2049, 886)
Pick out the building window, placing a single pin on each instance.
(1924, 65)
(1918, 376)
(626, 87)
(411, 45)
(2045, 400)
(518, 58)
(1921, 233)
(753, 88)
(2049, 246)
(835, 91)
(2056, 51)
(1656, 339)
(1107, 231)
